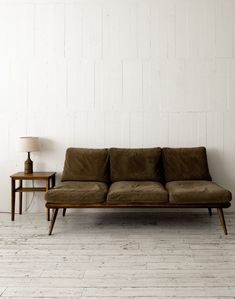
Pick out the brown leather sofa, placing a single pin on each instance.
(137, 178)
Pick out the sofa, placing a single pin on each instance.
(137, 178)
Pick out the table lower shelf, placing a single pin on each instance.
(31, 189)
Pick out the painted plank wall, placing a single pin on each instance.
(127, 73)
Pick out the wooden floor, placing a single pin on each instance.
(125, 255)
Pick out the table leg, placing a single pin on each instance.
(20, 199)
(53, 181)
(13, 195)
(47, 188)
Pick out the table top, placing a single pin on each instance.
(35, 175)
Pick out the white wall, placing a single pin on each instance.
(133, 73)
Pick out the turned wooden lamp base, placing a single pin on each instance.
(28, 165)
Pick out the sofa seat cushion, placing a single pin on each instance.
(137, 192)
(197, 192)
(78, 192)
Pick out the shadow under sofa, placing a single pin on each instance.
(137, 178)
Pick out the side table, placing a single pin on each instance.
(47, 177)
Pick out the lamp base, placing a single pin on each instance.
(28, 165)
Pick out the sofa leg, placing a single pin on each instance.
(55, 212)
(222, 220)
(210, 211)
(64, 212)
(48, 214)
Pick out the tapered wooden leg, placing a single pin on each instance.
(210, 211)
(47, 209)
(20, 199)
(48, 214)
(20, 203)
(64, 212)
(222, 220)
(55, 212)
(13, 197)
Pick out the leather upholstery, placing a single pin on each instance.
(82, 164)
(135, 164)
(185, 164)
(136, 175)
(78, 192)
(195, 192)
(133, 192)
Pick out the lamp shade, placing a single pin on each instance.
(29, 144)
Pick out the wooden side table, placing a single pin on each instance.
(48, 177)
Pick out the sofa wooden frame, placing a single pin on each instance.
(218, 206)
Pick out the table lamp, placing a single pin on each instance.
(29, 144)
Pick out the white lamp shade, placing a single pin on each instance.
(29, 144)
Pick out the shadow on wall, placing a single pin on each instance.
(51, 156)
(48, 145)
(219, 169)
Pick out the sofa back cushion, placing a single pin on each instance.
(82, 164)
(135, 164)
(185, 164)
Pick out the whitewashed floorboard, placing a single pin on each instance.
(114, 254)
